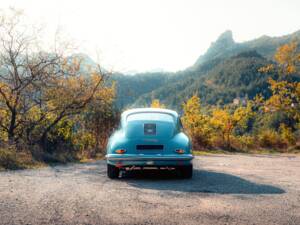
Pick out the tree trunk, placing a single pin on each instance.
(228, 141)
(11, 129)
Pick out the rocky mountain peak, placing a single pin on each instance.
(226, 37)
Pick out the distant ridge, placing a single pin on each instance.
(225, 71)
(225, 46)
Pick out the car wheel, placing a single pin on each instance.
(186, 171)
(112, 171)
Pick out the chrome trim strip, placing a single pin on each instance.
(114, 157)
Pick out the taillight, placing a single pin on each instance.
(179, 151)
(120, 151)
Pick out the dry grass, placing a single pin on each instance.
(12, 160)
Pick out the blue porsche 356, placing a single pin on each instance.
(149, 137)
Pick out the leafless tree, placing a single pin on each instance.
(38, 88)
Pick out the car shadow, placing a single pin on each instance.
(203, 181)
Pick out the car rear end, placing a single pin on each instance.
(149, 139)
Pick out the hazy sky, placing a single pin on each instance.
(145, 35)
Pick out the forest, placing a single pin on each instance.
(54, 107)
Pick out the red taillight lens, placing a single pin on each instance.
(120, 151)
(179, 151)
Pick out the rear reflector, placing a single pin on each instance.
(120, 151)
(149, 147)
(179, 151)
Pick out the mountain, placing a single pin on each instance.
(227, 70)
(130, 88)
(234, 77)
(225, 46)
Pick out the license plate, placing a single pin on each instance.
(149, 162)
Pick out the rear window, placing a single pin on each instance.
(151, 116)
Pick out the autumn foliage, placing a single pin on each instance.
(53, 107)
(157, 104)
(50, 103)
(259, 123)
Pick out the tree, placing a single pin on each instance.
(288, 58)
(285, 98)
(285, 92)
(39, 89)
(21, 71)
(225, 122)
(196, 124)
(156, 104)
(100, 117)
(65, 97)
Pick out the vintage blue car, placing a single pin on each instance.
(149, 137)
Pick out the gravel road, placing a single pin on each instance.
(225, 189)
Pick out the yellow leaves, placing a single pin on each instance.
(6, 92)
(96, 77)
(287, 56)
(196, 124)
(34, 113)
(192, 106)
(285, 97)
(192, 113)
(64, 128)
(290, 69)
(267, 69)
(221, 119)
(72, 89)
(268, 138)
(288, 59)
(224, 121)
(156, 104)
(286, 134)
(285, 94)
(285, 53)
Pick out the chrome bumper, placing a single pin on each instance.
(142, 157)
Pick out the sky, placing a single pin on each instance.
(157, 35)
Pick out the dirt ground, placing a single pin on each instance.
(225, 189)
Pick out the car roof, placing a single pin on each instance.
(126, 113)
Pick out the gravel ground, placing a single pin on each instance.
(225, 189)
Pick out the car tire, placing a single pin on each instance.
(112, 171)
(186, 171)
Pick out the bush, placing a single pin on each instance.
(244, 142)
(287, 134)
(270, 139)
(217, 141)
(200, 141)
(8, 158)
(11, 158)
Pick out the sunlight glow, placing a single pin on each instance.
(139, 35)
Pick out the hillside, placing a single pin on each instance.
(130, 88)
(237, 76)
(227, 70)
(225, 46)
